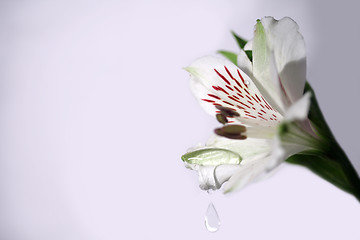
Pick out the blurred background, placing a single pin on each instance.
(95, 112)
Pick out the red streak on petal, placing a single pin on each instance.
(263, 111)
(218, 88)
(228, 72)
(262, 118)
(255, 99)
(245, 105)
(240, 107)
(228, 103)
(223, 78)
(242, 79)
(258, 97)
(247, 91)
(250, 115)
(234, 99)
(250, 103)
(229, 87)
(207, 100)
(214, 96)
(237, 89)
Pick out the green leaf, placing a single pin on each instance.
(229, 55)
(240, 41)
(249, 54)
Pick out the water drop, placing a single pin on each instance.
(247, 83)
(212, 221)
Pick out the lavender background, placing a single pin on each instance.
(95, 112)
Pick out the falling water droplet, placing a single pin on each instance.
(247, 83)
(212, 221)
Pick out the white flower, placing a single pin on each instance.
(261, 103)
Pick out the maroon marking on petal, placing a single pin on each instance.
(254, 108)
(262, 105)
(223, 78)
(240, 95)
(207, 100)
(257, 97)
(247, 112)
(250, 103)
(260, 113)
(248, 97)
(266, 103)
(228, 103)
(240, 107)
(254, 99)
(274, 116)
(263, 111)
(262, 118)
(242, 79)
(237, 89)
(271, 119)
(244, 105)
(250, 115)
(228, 72)
(229, 87)
(216, 104)
(218, 88)
(247, 91)
(214, 96)
(234, 99)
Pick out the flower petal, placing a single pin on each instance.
(248, 149)
(244, 63)
(299, 110)
(265, 71)
(283, 38)
(248, 173)
(218, 82)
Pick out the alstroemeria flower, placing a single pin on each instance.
(261, 104)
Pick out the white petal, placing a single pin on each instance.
(265, 71)
(281, 151)
(284, 39)
(248, 149)
(217, 81)
(252, 151)
(244, 63)
(248, 173)
(299, 110)
(212, 177)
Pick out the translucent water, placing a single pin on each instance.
(212, 221)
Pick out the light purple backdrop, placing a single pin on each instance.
(95, 112)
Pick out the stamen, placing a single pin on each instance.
(227, 112)
(232, 131)
(221, 118)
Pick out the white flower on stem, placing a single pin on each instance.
(261, 104)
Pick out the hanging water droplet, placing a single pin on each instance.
(212, 221)
(247, 82)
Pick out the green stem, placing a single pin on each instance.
(331, 164)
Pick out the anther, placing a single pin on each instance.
(232, 131)
(227, 112)
(221, 118)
